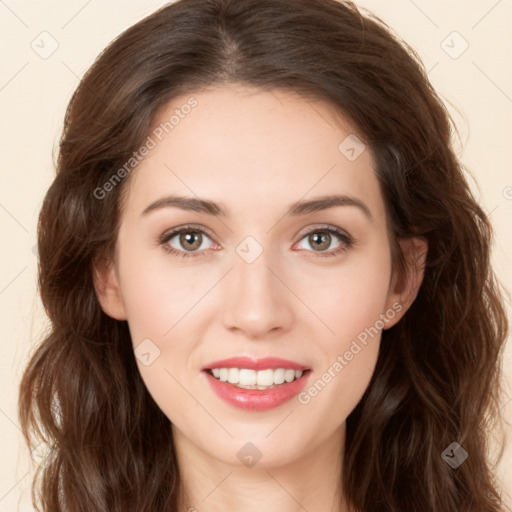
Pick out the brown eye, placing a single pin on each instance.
(185, 241)
(320, 239)
(190, 240)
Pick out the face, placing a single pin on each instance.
(256, 275)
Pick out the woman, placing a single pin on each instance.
(268, 282)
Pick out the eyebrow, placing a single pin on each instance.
(295, 209)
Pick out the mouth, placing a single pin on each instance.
(256, 384)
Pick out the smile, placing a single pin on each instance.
(252, 379)
(253, 398)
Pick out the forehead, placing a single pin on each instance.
(249, 148)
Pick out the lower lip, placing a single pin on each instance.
(257, 399)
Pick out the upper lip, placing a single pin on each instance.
(255, 364)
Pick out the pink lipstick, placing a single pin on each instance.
(256, 384)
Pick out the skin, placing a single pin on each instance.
(256, 152)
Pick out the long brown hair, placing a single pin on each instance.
(437, 379)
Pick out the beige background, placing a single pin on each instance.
(476, 84)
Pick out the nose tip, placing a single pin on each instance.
(257, 301)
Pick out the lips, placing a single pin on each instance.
(253, 399)
(256, 399)
(255, 364)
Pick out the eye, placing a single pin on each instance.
(321, 238)
(190, 238)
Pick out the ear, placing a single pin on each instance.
(403, 290)
(106, 284)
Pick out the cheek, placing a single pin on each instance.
(352, 306)
(334, 391)
(351, 297)
(156, 293)
(159, 302)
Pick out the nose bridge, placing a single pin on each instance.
(257, 300)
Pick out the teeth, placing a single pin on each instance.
(252, 379)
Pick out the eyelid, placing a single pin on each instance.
(170, 233)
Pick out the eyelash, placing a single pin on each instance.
(347, 241)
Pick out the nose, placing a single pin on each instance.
(257, 300)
